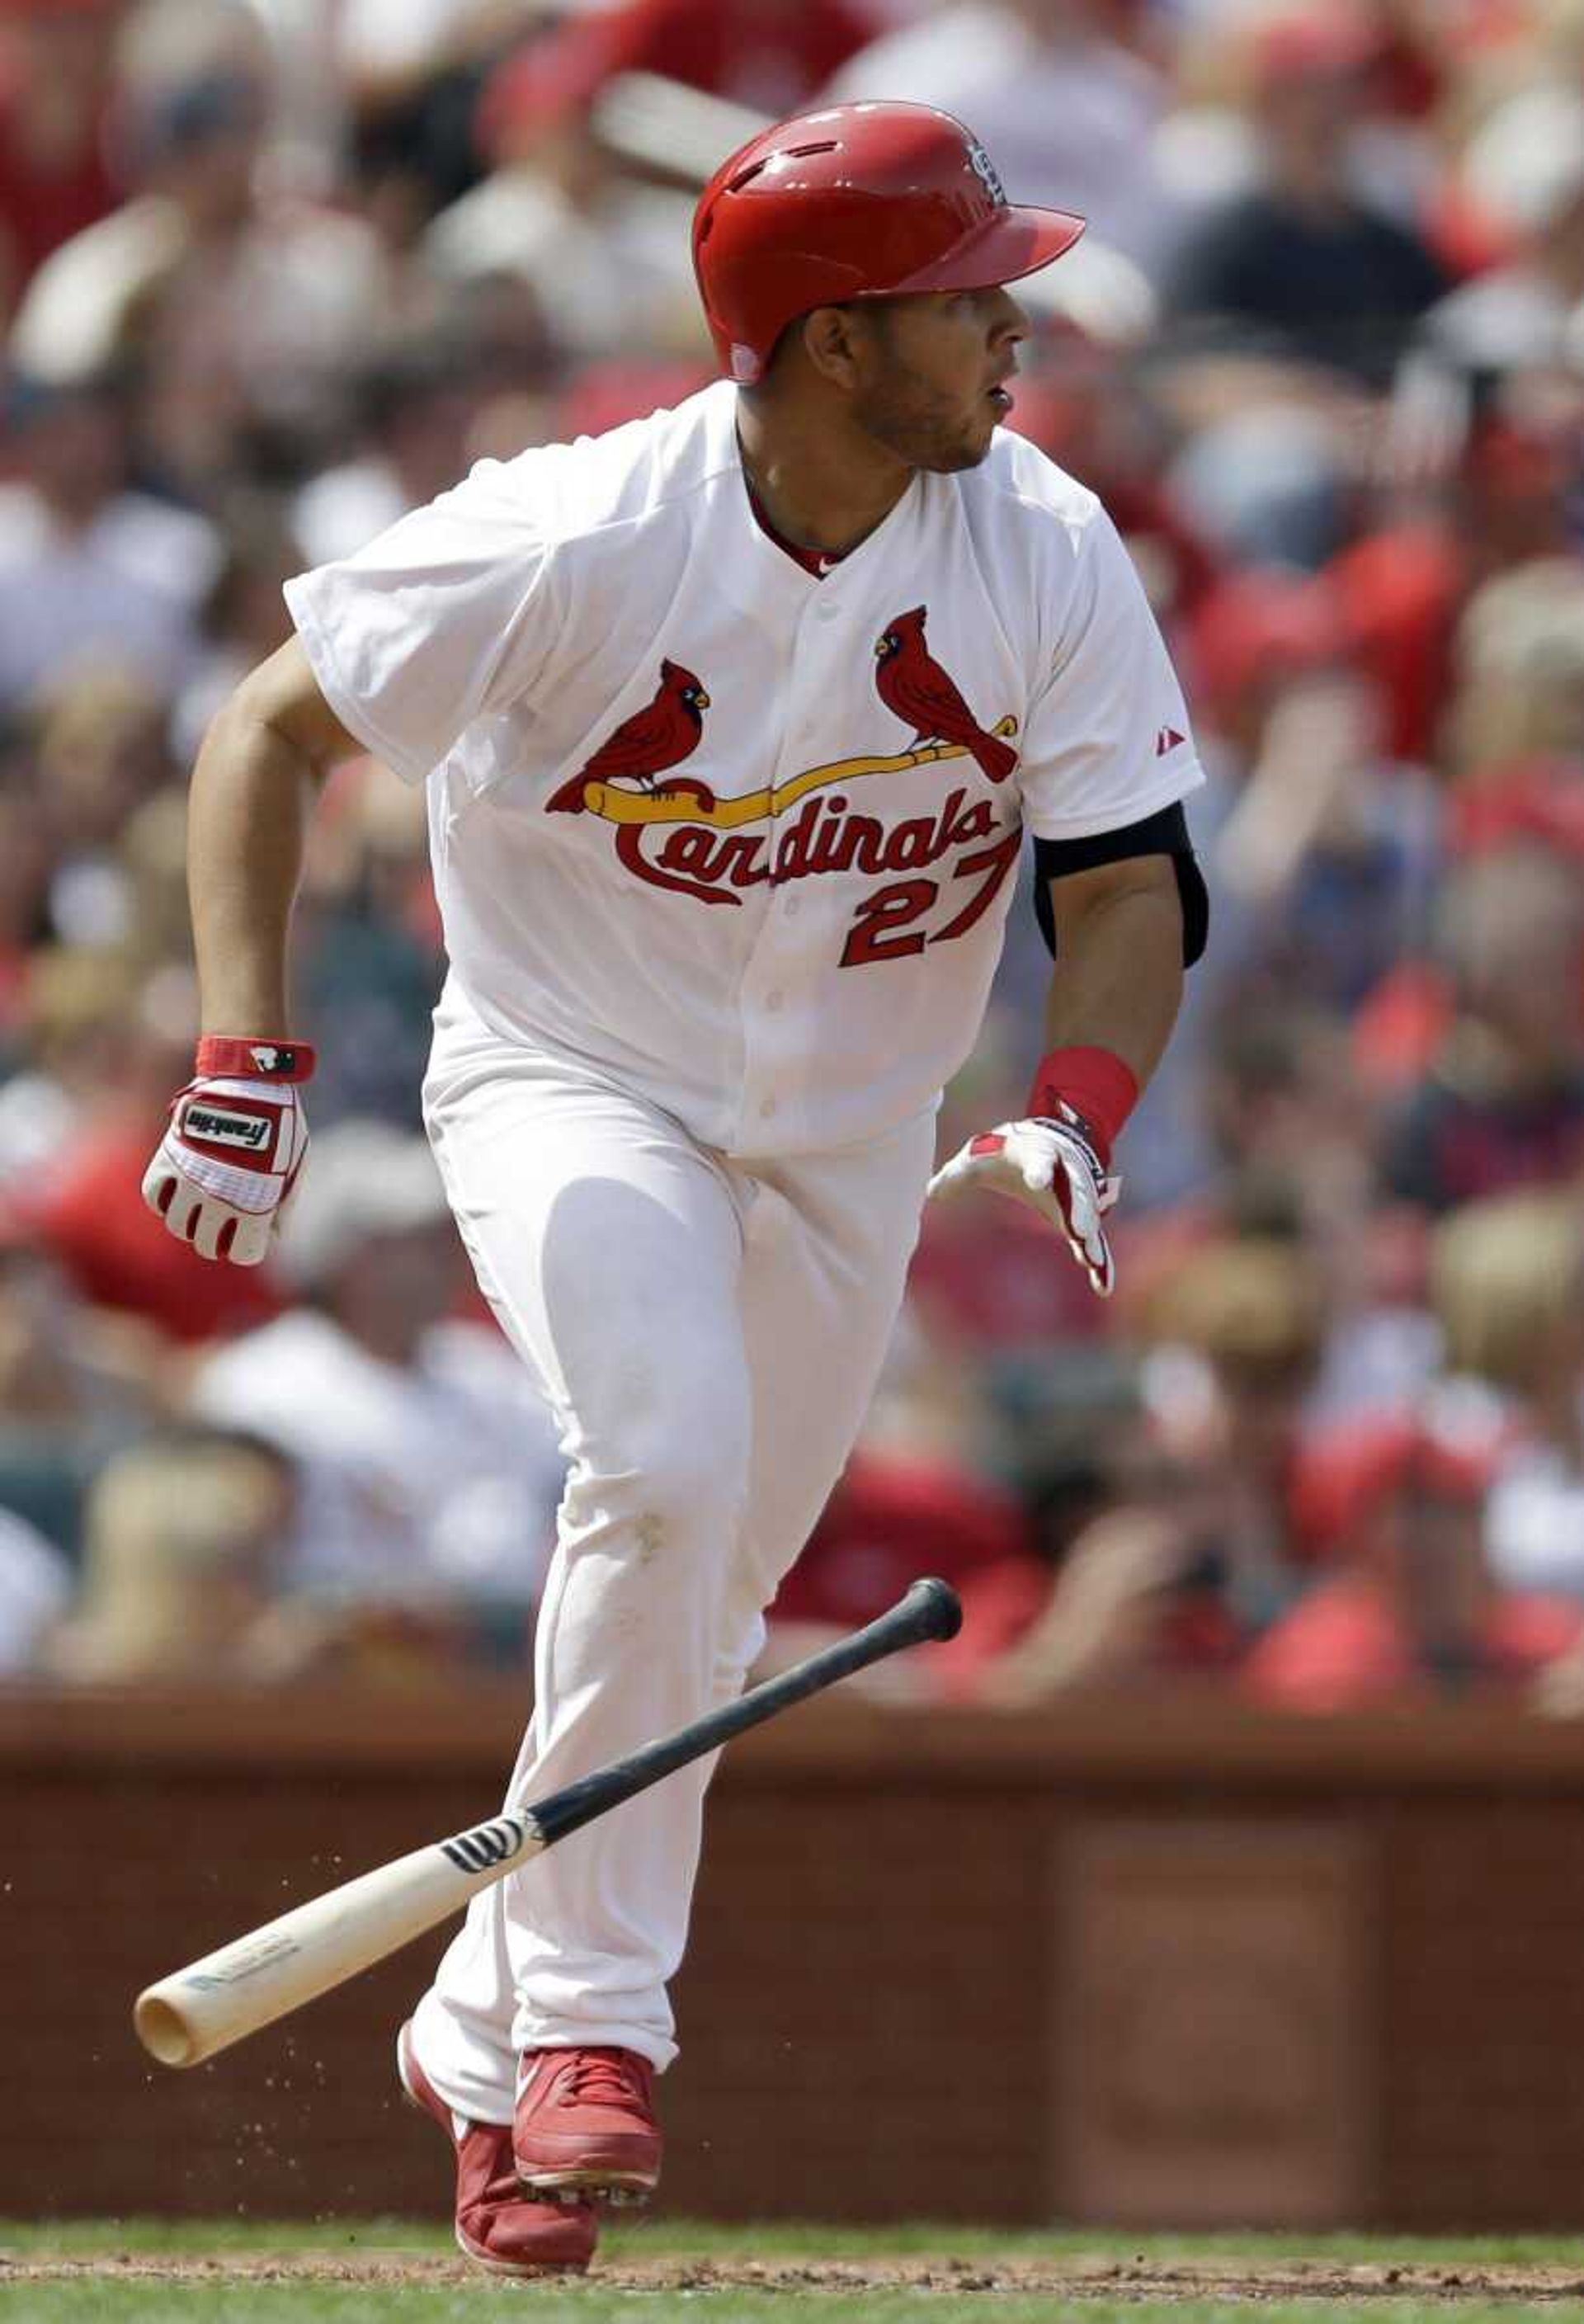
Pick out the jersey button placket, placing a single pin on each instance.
(771, 963)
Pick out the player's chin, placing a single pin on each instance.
(993, 409)
(969, 447)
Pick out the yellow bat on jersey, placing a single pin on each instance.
(620, 806)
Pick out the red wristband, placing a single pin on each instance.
(222, 1057)
(1098, 1087)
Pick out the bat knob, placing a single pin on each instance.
(939, 1608)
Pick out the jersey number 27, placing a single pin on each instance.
(883, 924)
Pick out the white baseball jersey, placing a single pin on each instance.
(737, 835)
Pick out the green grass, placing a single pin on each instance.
(665, 2238)
(701, 2257)
(330, 2304)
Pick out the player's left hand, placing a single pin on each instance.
(1051, 1165)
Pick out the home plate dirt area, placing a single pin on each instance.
(1103, 2275)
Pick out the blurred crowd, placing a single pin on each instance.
(272, 271)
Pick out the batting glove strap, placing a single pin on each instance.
(1081, 1148)
(226, 1165)
(223, 1055)
(1049, 1163)
(1094, 1087)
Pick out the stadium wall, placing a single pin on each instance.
(1153, 1961)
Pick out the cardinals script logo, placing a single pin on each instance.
(673, 832)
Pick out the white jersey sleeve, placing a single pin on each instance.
(1108, 741)
(446, 618)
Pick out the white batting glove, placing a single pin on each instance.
(1050, 1165)
(231, 1156)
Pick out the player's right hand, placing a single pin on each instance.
(226, 1165)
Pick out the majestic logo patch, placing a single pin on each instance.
(1168, 740)
(676, 833)
(250, 1131)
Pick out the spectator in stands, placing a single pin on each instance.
(772, 58)
(1073, 110)
(1507, 1278)
(1100, 1591)
(26, 861)
(243, 304)
(1501, 1103)
(55, 83)
(1086, 404)
(92, 571)
(185, 1578)
(108, 1036)
(429, 1468)
(1522, 174)
(407, 79)
(101, 755)
(1238, 1333)
(1292, 1140)
(1408, 1604)
(1173, 1545)
(35, 1590)
(1519, 705)
(414, 404)
(70, 1395)
(368, 944)
(66, 1024)
(242, 618)
(182, 1565)
(604, 248)
(1110, 1619)
(1441, 593)
(890, 1519)
(1298, 267)
(1324, 852)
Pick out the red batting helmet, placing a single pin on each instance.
(858, 201)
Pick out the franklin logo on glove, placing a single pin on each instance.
(249, 1129)
(227, 1163)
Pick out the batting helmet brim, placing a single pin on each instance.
(1002, 248)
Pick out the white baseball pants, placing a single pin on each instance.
(708, 1334)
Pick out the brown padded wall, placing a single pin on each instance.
(1174, 1962)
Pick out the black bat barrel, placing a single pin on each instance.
(929, 1610)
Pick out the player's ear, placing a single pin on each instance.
(831, 341)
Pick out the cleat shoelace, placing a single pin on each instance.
(602, 2077)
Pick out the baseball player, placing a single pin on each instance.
(733, 722)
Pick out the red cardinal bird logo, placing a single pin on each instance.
(911, 682)
(660, 735)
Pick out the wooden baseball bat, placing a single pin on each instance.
(205, 2007)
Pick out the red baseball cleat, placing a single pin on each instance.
(585, 2125)
(497, 2224)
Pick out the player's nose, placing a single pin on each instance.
(1009, 322)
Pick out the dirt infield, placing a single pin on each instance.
(1078, 2278)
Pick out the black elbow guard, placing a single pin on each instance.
(1165, 832)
